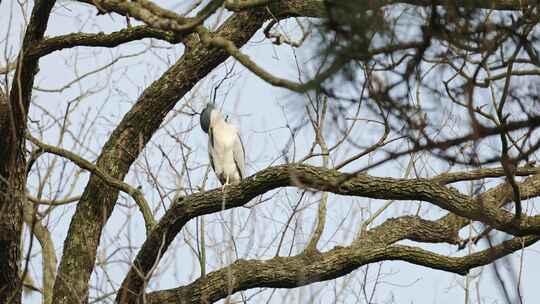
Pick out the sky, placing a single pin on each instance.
(264, 115)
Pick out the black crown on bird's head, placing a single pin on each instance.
(205, 116)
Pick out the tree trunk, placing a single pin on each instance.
(12, 181)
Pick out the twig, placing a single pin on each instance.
(136, 194)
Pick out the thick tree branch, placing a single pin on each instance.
(497, 197)
(238, 5)
(459, 265)
(113, 39)
(300, 270)
(305, 176)
(453, 177)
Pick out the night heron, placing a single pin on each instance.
(225, 148)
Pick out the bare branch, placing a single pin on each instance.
(48, 251)
(453, 177)
(154, 15)
(113, 39)
(291, 272)
(57, 202)
(10, 66)
(136, 194)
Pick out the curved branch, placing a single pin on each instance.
(300, 270)
(48, 253)
(57, 202)
(227, 45)
(155, 16)
(136, 194)
(453, 177)
(305, 176)
(113, 39)
(496, 197)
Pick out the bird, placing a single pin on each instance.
(225, 147)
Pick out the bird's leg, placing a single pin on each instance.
(223, 191)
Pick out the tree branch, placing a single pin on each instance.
(300, 270)
(453, 177)
(155, 16)
(310, 177)
(48, 253)
(136, 194)
(57, 202)
(113, 39)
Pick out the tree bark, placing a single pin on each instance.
(13, 115)
(11, 188)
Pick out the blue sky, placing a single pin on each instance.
(263, 114)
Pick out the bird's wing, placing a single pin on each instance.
(238, 155)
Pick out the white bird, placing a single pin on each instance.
(225, 148)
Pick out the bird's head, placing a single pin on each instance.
(205, 116)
